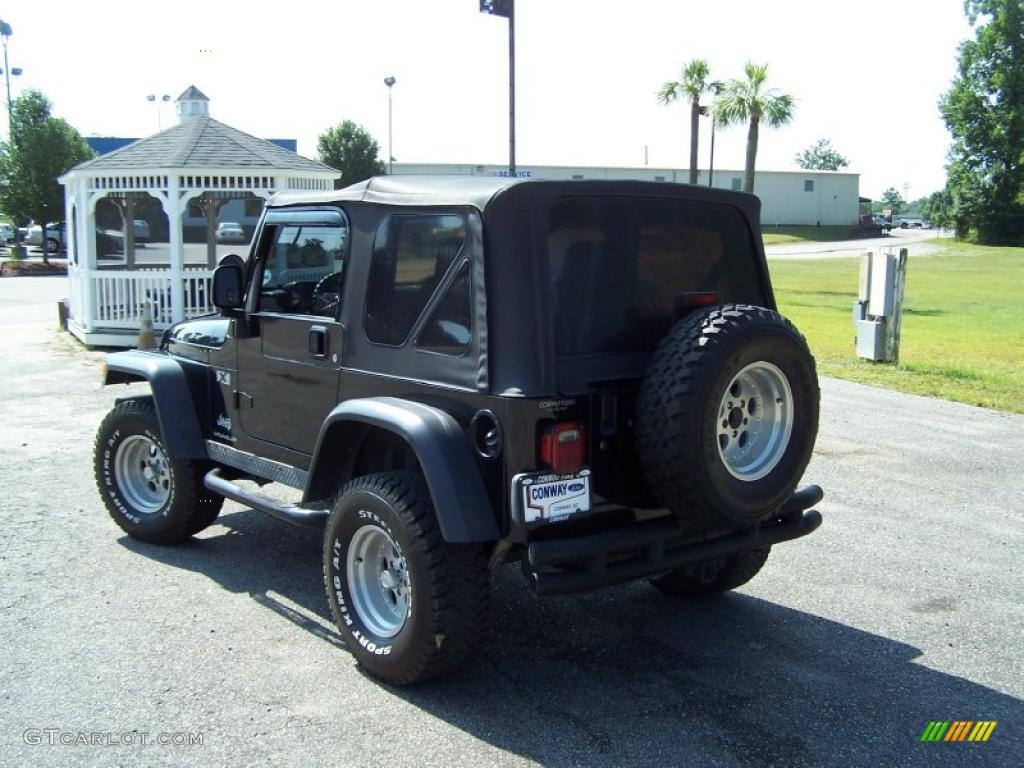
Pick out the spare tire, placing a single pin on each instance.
(727, 416)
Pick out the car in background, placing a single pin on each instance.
(109, 242)
(881, 221)
(54, 236)
(7, 233)
(869, 225)
(140, 228)
(230, 232)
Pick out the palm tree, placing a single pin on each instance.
(693, 84)
(743, 100)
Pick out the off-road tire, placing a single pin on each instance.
(189, 506)
(678, 415)
(713, 578)
(448, 616)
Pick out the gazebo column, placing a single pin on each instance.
(86, 236)
(173, 210)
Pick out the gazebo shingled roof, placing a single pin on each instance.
(201, 142)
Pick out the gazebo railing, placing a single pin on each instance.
(119, 295)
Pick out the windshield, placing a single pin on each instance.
(622, 269)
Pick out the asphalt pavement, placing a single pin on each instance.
(907, 606)
(915, 240)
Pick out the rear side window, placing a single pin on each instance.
(449, 329)
(411, 256)
(621, 270)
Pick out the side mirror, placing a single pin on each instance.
(228, 287)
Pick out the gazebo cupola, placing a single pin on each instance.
(162, 197)
(191, 104)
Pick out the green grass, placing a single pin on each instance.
(963, 323)
(800, 234)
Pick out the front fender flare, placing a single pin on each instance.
(463, 509)
(175, 409)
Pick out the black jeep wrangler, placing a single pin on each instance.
(588, 377)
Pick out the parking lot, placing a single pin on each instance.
(907, 606)
(157, 254)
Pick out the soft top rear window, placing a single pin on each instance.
(622, 269)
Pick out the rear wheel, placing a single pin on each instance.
(713, 578)
(409, 605)
(52, 245)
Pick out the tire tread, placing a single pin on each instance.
(682, 364)
(196, 506)
(460, 580)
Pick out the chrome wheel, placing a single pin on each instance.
(378, 581)
(143, 474)
(755, 421)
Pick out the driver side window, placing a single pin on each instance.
(304, 269)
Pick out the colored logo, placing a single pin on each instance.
(958, 730)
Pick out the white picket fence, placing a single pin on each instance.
(118, 296)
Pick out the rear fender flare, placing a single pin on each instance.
(463, 509)
(175, 409)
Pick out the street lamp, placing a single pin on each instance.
(389, 81)
(716, 88)
(711, 162)
(152, 99)
(5, 34)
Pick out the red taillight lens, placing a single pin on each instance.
(563, 447)
(687, 302)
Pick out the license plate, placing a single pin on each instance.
(556, 498)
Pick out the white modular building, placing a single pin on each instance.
(787, 197)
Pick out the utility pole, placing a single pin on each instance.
(507, 8)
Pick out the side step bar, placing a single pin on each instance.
(290, 513)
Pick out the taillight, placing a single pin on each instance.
(687, 302)
(563, 447)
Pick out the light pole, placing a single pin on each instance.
(716, 88)
(5, 34)
(711, 161)
(389, 81)
(507, 8)
(152, 99)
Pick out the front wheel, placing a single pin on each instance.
(151, 496)
(409, 605)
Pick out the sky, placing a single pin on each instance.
(866, 75)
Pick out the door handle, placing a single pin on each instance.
(318, 341)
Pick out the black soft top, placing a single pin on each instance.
(479, 191)
(475, 191)
(517, 353)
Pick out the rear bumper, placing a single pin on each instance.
(561, 566)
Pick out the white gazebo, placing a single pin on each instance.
(199, 164)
